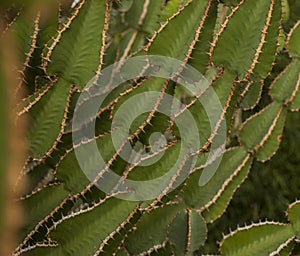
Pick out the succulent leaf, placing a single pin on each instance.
(201, 197)
(187, 232)
(293, 41)
(41, 202)
(79, 41)
(260, 239)
(86, 230)
(48, 119)
(241, 56)
(215, 210)
(258, 128)
(286, 85)
(293, 214)
(151, 230)
(251, 94)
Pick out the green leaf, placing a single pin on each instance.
(24, 30)
(214, 211)
(293, 41)
(49, 251)
(160, 167)
(76, 178)
(41, 203)
(288, 249)
(151, 21)
(285, 85)
(257, 239)
(207, 110)
(281, 40)
(238, 45)
(126, 46)
(231, 2)
(272, 144)
(71, 174)
(74, 53)
(125, 5)
(28, 102)
(285, 11)
(171, 8)
(84, 232)
(47, 119)
(187, 232)
(266, 59)
(151, 230)
(257, 129)
(144, 15)
(200, 197)
(189, 20)
(121, 252)
(293, 214)
(295, 104)
(251, 94)
(199, 58)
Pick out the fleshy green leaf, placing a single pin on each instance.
(71, 174)
(288, 249)
(251, 95)
(83, 233)
(293, 214)
(144, 15)
(197, 197)
(207, 111)
(286, 83)
(24, 29)
(76, 178)
(171, 8)
(75, 55)
(187, 232)
(151, 230)
(239, 44)
(271, 145)
(150, 23)
(218, 208)
(267, 55)
(199, 57)
(231, 2)
(48, 115)
(258, 128)
(293, 43)
(188, 20)
(125, 5)
(258, 239)
(49, 251)
(295, 104)
(40, 204)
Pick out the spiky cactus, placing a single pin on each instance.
(232, 44)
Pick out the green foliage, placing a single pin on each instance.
(187, 232)
(234, 45)
(293, 41)
(78, 41)
(265, 238)
(260, 239)
(293, 215)
(238, 46)
(154, 223)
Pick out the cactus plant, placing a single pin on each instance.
(66, 54)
